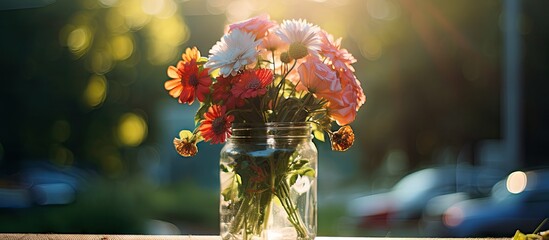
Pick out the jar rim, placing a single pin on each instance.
(271, 130)
(270, 125)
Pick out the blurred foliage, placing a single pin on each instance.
(83, 86)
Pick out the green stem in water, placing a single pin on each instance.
(283, 194)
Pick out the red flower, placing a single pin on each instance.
(188, 81)
(216, 126)
(253, 83)
(222, 93)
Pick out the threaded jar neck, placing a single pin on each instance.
(277, 130)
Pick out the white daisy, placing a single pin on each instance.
(235, 50)
(302, 35)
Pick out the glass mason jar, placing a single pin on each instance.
(268, 182)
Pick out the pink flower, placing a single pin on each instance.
(317, 78)
(257, 25)
(343, 108)
(348, 78)
(339, 57)
(272, 41)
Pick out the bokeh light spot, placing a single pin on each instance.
(108, 3)
(61, 155)
(79, 40)
(96, 91)
(164, 36)
(152, 7)
(101, 62)
(132, 129)
(371, 48)
(133, 14)
(122, 47)
(115, 22)
(112, 164)
(170, 8)
(239, 10)
(382, 9)
(516, 182)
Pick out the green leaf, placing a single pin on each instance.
(298, 164)
(319, 135)
(293, 179)
(200, 113)
(223, 168)
(231, 192)
(307, 172)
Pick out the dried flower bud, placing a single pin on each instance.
(342, 139)
(285, 57)
(185, 149)
(298, 50)
(185, 145)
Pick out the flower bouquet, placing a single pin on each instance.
(264, 88)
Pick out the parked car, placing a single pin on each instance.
(518, 202)
(41, 183)
(406, 201)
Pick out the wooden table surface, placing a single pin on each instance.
(23, 236)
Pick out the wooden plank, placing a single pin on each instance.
(25, 236)
(28, 236)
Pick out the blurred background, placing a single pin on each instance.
(451, 141)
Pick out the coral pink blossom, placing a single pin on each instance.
(257, 25)
(317, 78)
(216, 126)
(348, 78)
(253, 83)
(343, 108)
(339, 57)
(272, 41)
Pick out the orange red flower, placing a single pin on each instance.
(253, 83)
(222, 93)
(216, 126)
(188, 80)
